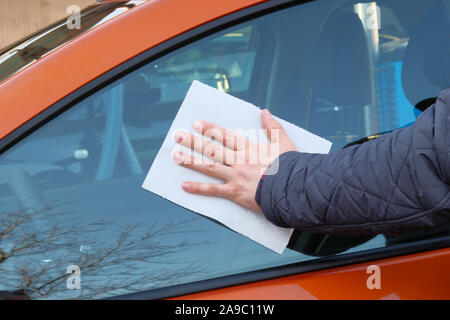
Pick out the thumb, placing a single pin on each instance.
(275, 131)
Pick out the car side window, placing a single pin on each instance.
(70, 193)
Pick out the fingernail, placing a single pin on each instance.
(198, 125)
(178, 157)
(179, 137)
(266, 111)
(186, 185)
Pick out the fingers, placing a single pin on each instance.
(206, 147)
(275, 131)
(212, 169)
(209, 168)
(207, 189)
(224, 136)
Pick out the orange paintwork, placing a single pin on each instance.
(73, 65)
(68, 68)
(417, 276)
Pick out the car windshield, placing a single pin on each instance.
(22, 53)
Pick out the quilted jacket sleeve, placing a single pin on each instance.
(398, 182)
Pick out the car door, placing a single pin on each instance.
(76, 222)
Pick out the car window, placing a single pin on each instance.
(18, 55)
(70, 193)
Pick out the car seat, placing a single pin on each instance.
(341, 79)
(426, 63)
(341, 87)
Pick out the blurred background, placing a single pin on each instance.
(19, 18)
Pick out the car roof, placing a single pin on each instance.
(42, 84)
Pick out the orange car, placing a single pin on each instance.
(84, 109)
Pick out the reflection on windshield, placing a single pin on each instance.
(24, 52)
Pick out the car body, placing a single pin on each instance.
(81, 123)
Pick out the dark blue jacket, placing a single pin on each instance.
(397, 182)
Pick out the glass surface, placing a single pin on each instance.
(70, 193)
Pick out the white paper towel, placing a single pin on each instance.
(165, 176)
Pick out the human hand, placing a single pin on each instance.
(232, 158)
